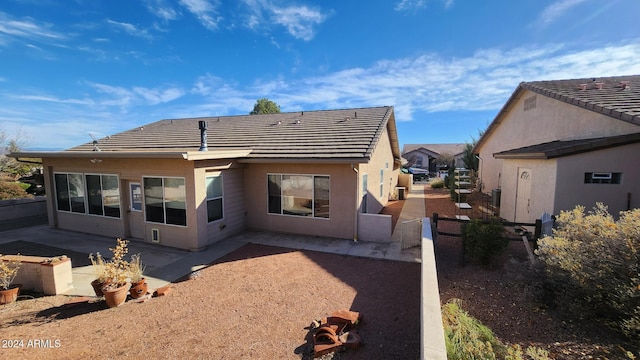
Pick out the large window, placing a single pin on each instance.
(88, 194)
(214, 197)
(299, 195)
(165, 200)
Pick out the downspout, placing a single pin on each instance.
(357, 196)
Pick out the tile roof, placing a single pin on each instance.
(451, 149)
(323, 135)
(555, 149)
(616, 96)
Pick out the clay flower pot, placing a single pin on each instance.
(97, 286)
(139, 289)
(9, 295)
(115, 296)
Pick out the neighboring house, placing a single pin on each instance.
(424, 155)
(311, 172)
(558, 144)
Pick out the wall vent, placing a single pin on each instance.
(155, 236)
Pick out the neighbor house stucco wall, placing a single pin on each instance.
(543, 178)
(572, 191)
(343, 184)
(550, 120)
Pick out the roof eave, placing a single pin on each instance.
(530, 156)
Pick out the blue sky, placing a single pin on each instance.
(70, 68)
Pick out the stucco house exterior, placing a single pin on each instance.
(424, 155)
(558, 144)
(187, 183)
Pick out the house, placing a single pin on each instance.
(188, 183)
(558, 144)
(424, 155)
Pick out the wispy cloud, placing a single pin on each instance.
(299, 21)
(554, 11)
(426, 83)
(26, 29)
(162, 9)
(430, 83)
(130, 29)
(412, 6)
(205, 10)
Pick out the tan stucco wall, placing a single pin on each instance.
(381, 159)
(543, 178)
(550, 120)
(573, 191)
(126, 170)
(341, 222)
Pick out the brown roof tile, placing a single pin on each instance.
(324, 134)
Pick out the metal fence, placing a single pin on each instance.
(411, 233)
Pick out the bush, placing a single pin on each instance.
(467, 338)
(12, 190)
(484, 240)
(437, 184)
(592, 266)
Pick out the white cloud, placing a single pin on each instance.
(299, 21)
(556, 10)
(410, 5)
(130, 29)
(138, 95)
(205, 11)
(162, 9)
(25, 29)
(431, 83)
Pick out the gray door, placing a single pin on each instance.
(135, 210)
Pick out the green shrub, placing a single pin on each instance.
(24, 186)
(437, 184)
(12, 190)
(592, 266)
(467, 338)
(484, 240)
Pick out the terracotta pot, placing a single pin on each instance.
(139, 289)
(116, 296)
(9, 295)
(97, 287)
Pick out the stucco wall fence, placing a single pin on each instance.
(22, 208)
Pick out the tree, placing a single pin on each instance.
(10, 167)
(265, 106)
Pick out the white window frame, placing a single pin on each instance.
(221, 197)
(164, 200)
(313, 196)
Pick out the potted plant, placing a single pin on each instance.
(100, 271)
(117, 271)
(139, 284)
(8, 271)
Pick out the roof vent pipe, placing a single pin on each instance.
(203, 135)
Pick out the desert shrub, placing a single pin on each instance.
(484, 240)
(467, 338)
(437, 184)
(12, 190)
(592, 266)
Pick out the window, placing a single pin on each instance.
(602, 178)
(70, 192)
(165, 200)
(103, 195)
(88, 194)
(299, 195)
(381, 182)
(214, 197)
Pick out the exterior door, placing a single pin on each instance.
(523, 196)
(135, 218)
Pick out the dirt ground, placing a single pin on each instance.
(258, 303)
(503, 296)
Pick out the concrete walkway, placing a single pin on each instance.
(165, 265)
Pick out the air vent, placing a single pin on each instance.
(155, 236)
